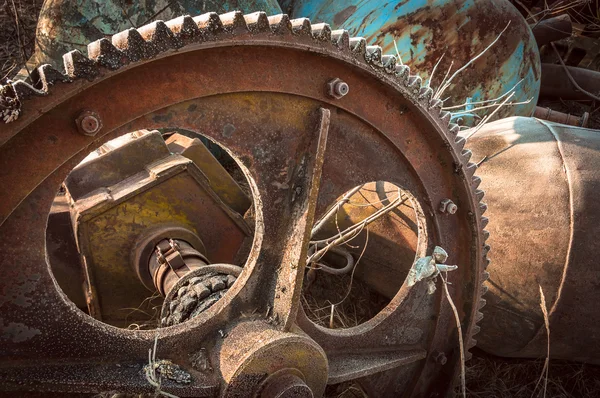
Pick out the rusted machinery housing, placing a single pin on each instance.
(541, 185)
(302, 140)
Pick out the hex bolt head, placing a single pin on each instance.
(88, 123)
(448, 206)
(440, 358)
(337, 88)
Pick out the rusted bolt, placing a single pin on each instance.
(337, 88)
(448, 206)
(88, 123)
(440, 358)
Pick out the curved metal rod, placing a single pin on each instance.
(332, 270)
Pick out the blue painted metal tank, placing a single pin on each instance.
(458, 30)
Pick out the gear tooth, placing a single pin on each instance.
(373, 55)
(436, 105)
(389, 63)
(485, 276)
(479, 194)
(341, 39)
(24, 90)
(453, 129)
(486, 249)
(358, 45)
(45, 76)
(280, 24)
(78, 65)
(482, 303)
(482, 208)
(445, 117)
(402, 73)
(470, 169)
(476, 329)
(484, 221)
(184, 29)
(234, 22)
(257, 22)
(466, 154)
(459, 142)
(104, 53)
(484, 289)
(475, 181)
(132, 44)
(414, 83)
(208, 24)
(158, 35)
(301, 27)
(486, 264)
(468, 356)
(425, 94)
(321, 31)
(472, 342)
(478, 316)
(486, 235)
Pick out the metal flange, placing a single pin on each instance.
(259, 361)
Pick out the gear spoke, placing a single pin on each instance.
(349, 366)
(288, 246)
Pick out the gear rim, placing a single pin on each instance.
(420, 95)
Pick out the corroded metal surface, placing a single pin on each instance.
(299, 148)
(541, 182)
(121, 195)
(219, 180)
(457, 30)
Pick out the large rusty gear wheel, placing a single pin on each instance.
(258, 86)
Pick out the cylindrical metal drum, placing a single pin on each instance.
(541, 183)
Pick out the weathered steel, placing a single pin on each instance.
(300, 150)
(451, 32)
(556, 83)
(219, 180)
(541, 182)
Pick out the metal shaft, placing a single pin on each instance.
(172, 260)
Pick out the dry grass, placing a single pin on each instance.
(18, 20)
(490, 376)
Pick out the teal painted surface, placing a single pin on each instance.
(458, 30)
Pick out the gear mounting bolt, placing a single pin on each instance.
(448, 206)
(440, 358)
(88, 123)
(337, 88)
